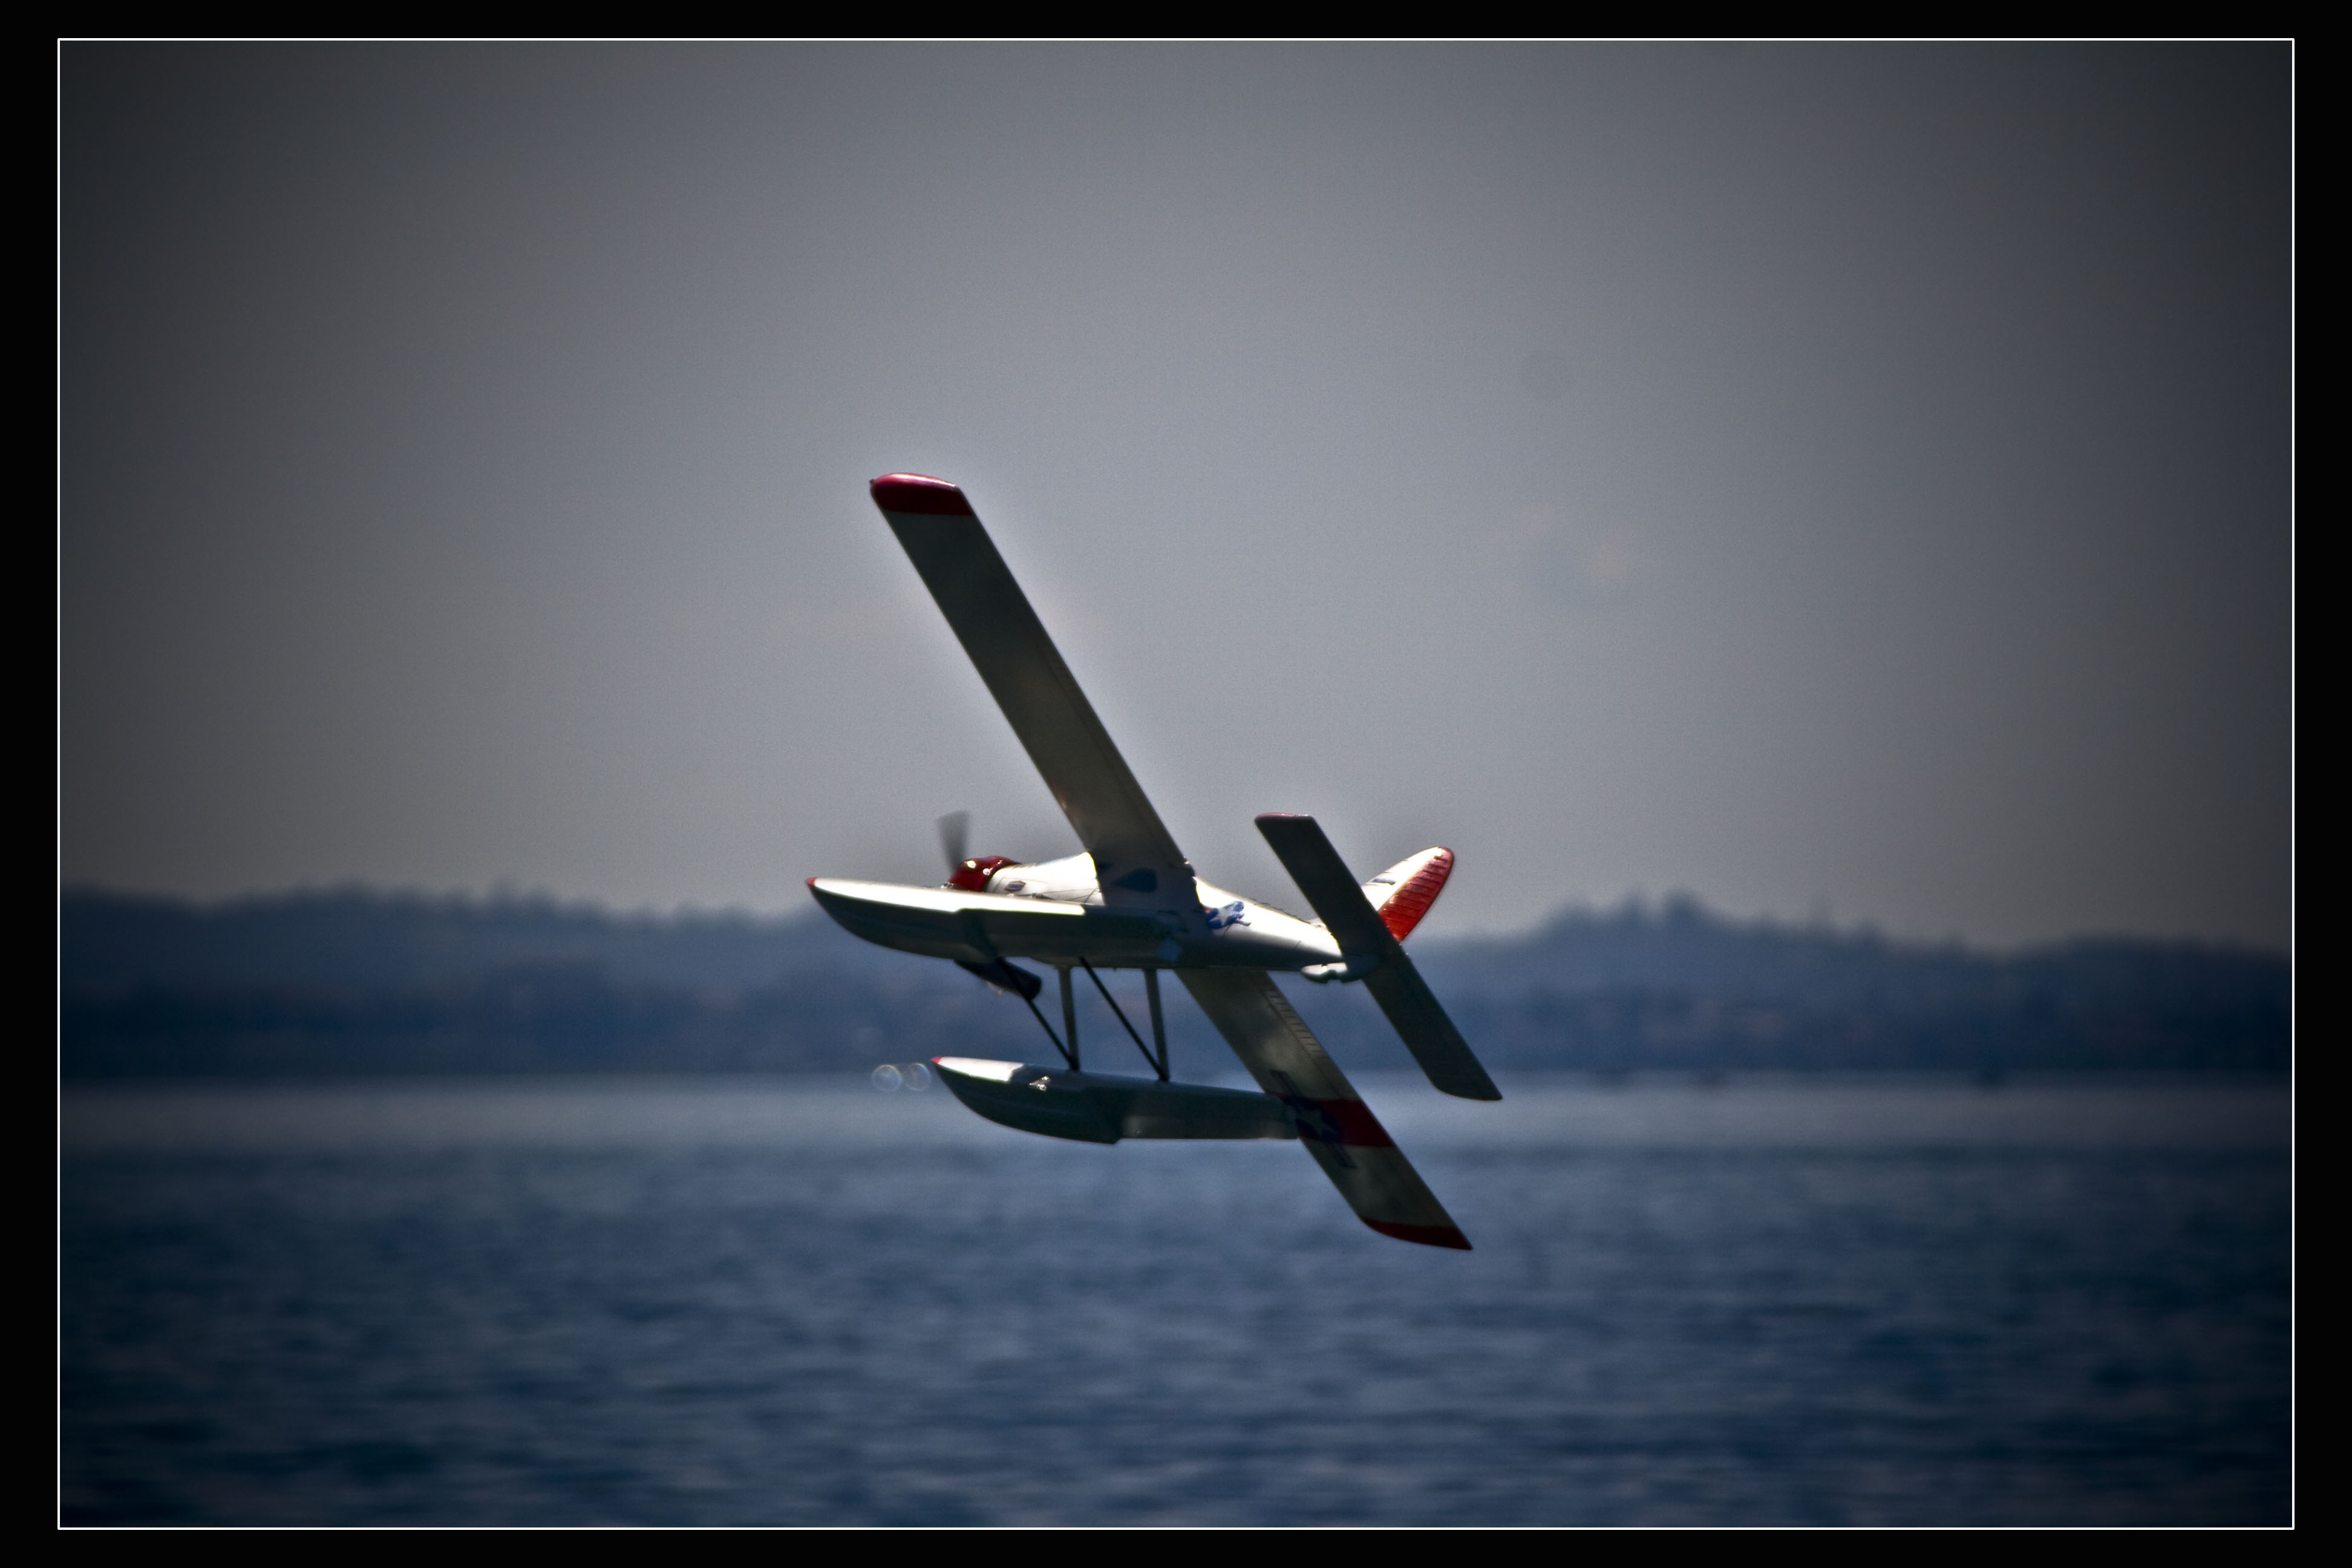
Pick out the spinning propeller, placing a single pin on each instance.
(955, 835)
(955, 830)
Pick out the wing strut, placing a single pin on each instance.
(1159, 1062)
(1068, 1054)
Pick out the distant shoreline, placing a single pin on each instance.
(356, 984)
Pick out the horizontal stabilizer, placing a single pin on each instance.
(1394, 982)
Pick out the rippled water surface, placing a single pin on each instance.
(795, 1301)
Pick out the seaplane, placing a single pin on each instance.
(1129, 899)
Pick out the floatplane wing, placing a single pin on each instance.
(1146, 911)
(1338, 1128)
(1133, 852)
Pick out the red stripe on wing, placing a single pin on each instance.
(1356, 1124)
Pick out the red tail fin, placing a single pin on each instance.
(1404, 891)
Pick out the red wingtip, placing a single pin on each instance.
(920, 493)
(1422, 1235)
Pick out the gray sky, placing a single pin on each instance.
(1824, 478)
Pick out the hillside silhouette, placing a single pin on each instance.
(352, 982)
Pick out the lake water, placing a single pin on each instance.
(798, 1302)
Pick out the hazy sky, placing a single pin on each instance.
(1824, 478)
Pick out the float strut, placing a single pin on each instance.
(1117, 1012)
(1067, 1055)
(1158, 1024)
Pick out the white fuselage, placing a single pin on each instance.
(1054, 912)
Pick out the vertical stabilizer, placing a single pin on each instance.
(1404, 891)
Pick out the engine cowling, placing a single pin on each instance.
(972, 875)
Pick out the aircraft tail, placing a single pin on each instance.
(1404, 892)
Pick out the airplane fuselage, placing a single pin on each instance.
(1054, 912)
